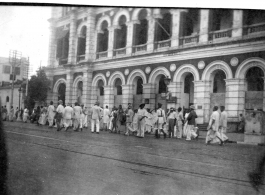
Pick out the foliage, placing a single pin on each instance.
(38, 87)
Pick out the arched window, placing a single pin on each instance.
(61, 92)
(220, 19)
(118, 86)
(162, 86)
(103, 37)
(163, 26)
(139, 87)
(219, 82)
(81, 46)
(101, 87)
(7, 99)
(141, 29)
(121, 33)
(190, 21)
(255, 81)
(62, 50)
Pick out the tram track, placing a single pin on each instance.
(167, 171)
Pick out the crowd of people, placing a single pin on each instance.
(172, 124)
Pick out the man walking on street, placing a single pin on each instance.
(59, 115)
(51, 113)
(106, 114)
(161, 121)
(223, 124)
(77, 116)
(172, 117)
(68, 115)
(129, 119)
(191, 124)
(95, 117)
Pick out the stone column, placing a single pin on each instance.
(178, 89)
(87, 89)
(175, 27)
(52, 44)
(72, 38)
(50, 91)
(204, 26)
(111, 41)
(172, 87)
(206, 95)
(69, 88)
(237, 24)
(93, 96)
(149, 93)
(127, 95)
(90, 35)
(235, 98)
(109, 96)
(129, 38)
(199, 96)
(151, 33)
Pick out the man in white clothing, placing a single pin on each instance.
(96, 115)
(77, 116)
(51, 113)
(223, 123)
(213, 135)
(68, 115)
(83, 119)
(106, 118)
(59, 114)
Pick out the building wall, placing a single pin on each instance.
(5, 91)
(230, 51)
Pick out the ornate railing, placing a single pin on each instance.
(220, 34)
(102, 54)
(120, 51)
(80, 57)
(254, 28)
(189, 40)
(63, 61)
(139, 48)
(161, 44)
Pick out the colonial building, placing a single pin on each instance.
(122, 55)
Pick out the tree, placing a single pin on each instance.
(38, 87)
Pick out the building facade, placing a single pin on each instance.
(21, 73)
(122, 55)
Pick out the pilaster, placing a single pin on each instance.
(87, 92)
(72, 38)
(129, 37)
(235, 98)
(149, 93)
(175, 27)
(237, 23)
(151, 33)
(199, 103)
(127, 95)
(204, 26)
(111, 41)
(69, 89)
(90, 36)
(52, 44)
(172, 87)
(109, 96)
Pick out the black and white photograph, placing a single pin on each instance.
(132, 98)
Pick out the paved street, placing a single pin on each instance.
(44, 161)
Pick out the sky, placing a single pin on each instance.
(26, 29)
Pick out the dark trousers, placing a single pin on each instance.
(171, 124)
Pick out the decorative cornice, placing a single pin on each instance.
(183, 55)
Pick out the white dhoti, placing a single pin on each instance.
(222, 134)
(67, 122)
(213, 136)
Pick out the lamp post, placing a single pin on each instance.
(19, 90)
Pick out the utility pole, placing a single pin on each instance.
(14, 60)
(27, 78)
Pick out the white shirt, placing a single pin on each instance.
(223, 119)
(77, 112)
(106, 114)
(60, 109)
(68, 112)
(216, 117)
(51, 111)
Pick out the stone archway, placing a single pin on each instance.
(99, 84)
(78, 90)
(59, 90)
